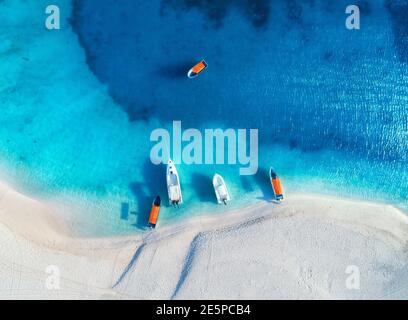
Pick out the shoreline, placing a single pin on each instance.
(114, 267)
(52, 216)
(45, 215)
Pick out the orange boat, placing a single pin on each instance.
(276, 185)
(154, 213)
(197, 69)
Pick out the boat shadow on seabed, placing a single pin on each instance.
(263, 182)
(202, 187)
(175, 71)
(154, 184)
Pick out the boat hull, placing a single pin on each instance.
(197, 69)
(221, 191)
(173, 184)
(154, 212)
(276, 185)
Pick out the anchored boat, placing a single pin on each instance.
(173, 184)
(197, 69)
(220, 189)
(154, 213)
(276, 184)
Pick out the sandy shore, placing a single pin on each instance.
(308, 247)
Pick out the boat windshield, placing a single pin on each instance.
(173, 180)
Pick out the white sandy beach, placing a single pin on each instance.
(300, 249)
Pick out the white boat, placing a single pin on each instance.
(221, 190)
(173, 184)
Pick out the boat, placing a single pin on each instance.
(197, 69)
(221, 190)
(276, 185)
(154, 212)
(173, 184)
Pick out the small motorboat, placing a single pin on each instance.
(220, 189)
(276, 185)
(197, 69)
(154, 213)
(173, 184)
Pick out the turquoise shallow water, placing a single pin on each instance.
(79, 104)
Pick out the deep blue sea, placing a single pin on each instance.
(78, 104)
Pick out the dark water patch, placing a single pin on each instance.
(202, 185)
(124, 211)
(255, 11)
(309, 94)
(329, 6)
(328, 56)
(174, 71)
(144, 201)
(293, 144)
(294, 11)
(247, 183)
(140, 113)
(364, 6)
(398, 10)
(260, 13)
(261, 179)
